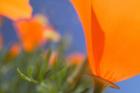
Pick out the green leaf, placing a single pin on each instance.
(29, 79)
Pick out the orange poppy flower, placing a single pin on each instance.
(15, 9)
(34, 32)
(112, 34)
(76, 58)
(15, 49)
(53, 58)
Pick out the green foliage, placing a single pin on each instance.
(33, 73)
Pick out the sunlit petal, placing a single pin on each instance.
(120, 21)
(15, 9)
(112, 36)
(31, 33)
(84, 11)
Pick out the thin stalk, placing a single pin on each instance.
(101, 84)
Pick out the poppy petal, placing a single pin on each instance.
(120, 22)
(15, 9)
(31, 33)
(84, 11)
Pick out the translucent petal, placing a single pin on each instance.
(116, 54)
(31, 33)
(15, 9)
(83, 9)
(120, 22)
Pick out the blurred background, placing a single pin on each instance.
(63, 18)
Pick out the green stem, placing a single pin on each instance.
(99, 86)
(96, 90)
